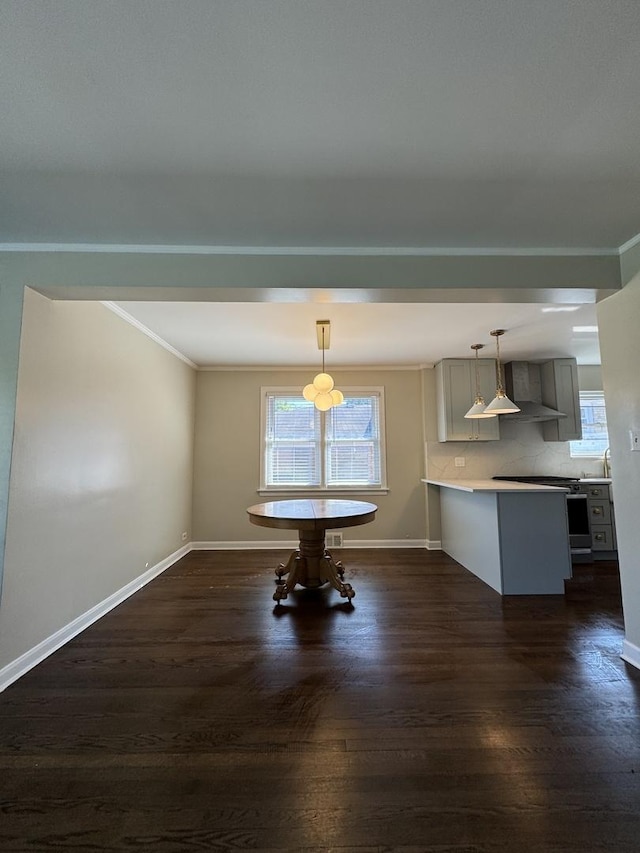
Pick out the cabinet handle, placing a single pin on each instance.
(596, 510)
(595, 492)
(600, 537)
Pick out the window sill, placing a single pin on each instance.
(324, 492)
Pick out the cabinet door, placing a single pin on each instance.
(560, 391)
(455, 384)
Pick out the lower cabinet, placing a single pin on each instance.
(603, 527)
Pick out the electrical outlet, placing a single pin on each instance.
(634, 437)
(184, 536)
(459, 461)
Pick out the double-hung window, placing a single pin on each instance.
(595, 437)
(305, 449)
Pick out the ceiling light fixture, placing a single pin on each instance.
(501, 404)
(321, 392)
(479, 408)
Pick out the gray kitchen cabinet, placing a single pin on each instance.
(601, 517)
(560, 391)
(455, 390)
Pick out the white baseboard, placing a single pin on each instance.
(631, 653)
(289, 544)
(434, 545)
(20, 666)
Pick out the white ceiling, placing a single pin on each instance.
(385, 124)
(234, 334)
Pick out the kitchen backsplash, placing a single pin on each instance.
(520, 450)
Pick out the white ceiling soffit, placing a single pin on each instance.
(219, 335)
(475, 123)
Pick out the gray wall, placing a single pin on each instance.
(227, 454)
(619, 323)
(102, 466)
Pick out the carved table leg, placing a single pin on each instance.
(294, 571)
(284, 570)
(337, 564)
(311, 566)
(335, 572)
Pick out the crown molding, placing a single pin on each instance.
(337, 251)
(296, 368)
(146, 331)
(629, 244)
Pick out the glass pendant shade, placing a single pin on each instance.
(323, 382)
(502, 405)
(310, 392)
(479, 409)
(323, 402)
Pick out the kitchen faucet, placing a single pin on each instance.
(606, 463)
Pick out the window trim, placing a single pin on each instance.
(352, 390)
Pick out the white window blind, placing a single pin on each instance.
(292, 442)
(352, 442)
(595, 436)
(307, 449)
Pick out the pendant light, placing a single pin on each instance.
(479, 408)
(501, 404)
(321, 392)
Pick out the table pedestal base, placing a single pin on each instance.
(311, 566)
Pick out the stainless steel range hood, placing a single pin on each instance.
(522, 382)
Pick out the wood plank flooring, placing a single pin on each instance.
(433, 716)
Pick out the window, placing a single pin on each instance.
(304, 449)
(593, 415)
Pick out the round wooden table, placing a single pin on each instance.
(311, 565)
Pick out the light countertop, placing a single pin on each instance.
(492, 486)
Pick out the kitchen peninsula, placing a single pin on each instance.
(513, 536)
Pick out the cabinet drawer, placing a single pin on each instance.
(602, 537)
(599, 511)
(596, 492)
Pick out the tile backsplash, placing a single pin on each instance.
(520, 450)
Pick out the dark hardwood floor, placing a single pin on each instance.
(433, 716)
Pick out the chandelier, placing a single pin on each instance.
(321, 391)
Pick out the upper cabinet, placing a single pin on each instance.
(455, 389)
(559, 381)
